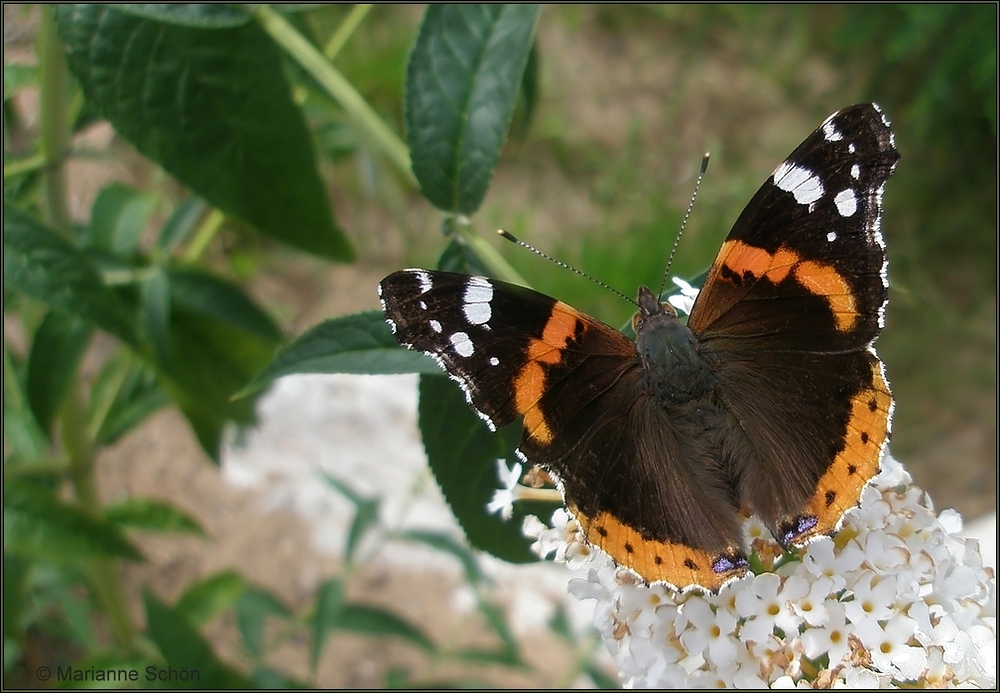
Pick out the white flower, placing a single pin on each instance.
(683, 301)
(503, 498)
(895, 599)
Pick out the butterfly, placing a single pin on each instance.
(770, 399)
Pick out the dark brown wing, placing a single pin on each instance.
(647, 497)
(789, 311)
(645, 490)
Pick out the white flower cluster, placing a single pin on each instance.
(895, 599)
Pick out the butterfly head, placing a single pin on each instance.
(664, 344)
(651, 310)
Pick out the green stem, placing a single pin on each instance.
(336, 85)
(104, 571)
(22, 166)
(35, 467)
(498, 266)
(345, 30)
(205, 233)
(54, 124)
(101, 408)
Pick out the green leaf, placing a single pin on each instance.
(216, 298)
(498, 624)
(265, 677)
(206, 599)
(366, 514)
(462, 82)
(207, 16)
(600, 678)
(252, 609)
(56, 350)
(212, 107)
(462, 453)
(208, 361)
(152, 515)
(443, 542)
(329, 601)
(21, 432)
(17, 76)
(458, 257)
(118, 218)
(372, 620)
(481, 655)
(40, 263)
(529, 87)
(181, 223)
(156, 311)
(359, 343)
(124, 393)
(183, 648)
(15, 596)
(36, 522)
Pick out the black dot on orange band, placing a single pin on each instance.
(852, 469)
(864, 437)
(657, 560)
(830, 497)
(872, 404)
(628, 547)
(603, 532)
(690, 565)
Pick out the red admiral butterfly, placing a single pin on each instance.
(771, 399)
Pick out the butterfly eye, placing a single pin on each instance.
(636, 321)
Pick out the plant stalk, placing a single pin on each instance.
(104, 571)
(345, 31)
(336, 85)
(54, 125)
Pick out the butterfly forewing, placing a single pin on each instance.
(804, 266)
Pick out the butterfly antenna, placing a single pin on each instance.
(517, 241)
(687, 214)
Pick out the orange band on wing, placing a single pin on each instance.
(817, 278)
(529, 384)
(839, 489)
(677, 565)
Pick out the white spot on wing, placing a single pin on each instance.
(478, 294)
(851, 148)
(494, 361)
(435, 325)
(800, 181)
(831, 237)
(423, 306)
(462, 344)
(847, 203)
(830, 132)
(424, 279)
(477, 313)
(855, 171)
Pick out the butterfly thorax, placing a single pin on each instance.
(675, 370)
